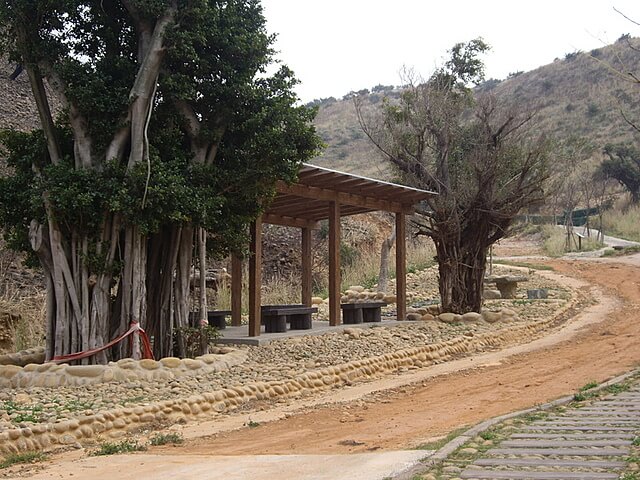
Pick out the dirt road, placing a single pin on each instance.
(447, 397)
(406, 416)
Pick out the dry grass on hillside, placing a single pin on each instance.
(623, 221)
(576, 96)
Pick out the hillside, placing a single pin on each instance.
(17, 108)
(577, 95)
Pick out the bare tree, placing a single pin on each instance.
(478, 155)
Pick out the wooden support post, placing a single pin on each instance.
(255, 278)
(401, 266)
(306, 266)
(236, 291)
(334, 264)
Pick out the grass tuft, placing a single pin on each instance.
(165, 439)
(589, 385)
(19, 458)
(125, 446)
(441, 442)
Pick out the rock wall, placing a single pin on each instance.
(127, 369)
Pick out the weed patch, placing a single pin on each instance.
(166, 439)
(18, 458)
(125, 446)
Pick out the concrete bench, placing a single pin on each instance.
(507, 284)
(215, 318)
(275, 317)
(362, 312)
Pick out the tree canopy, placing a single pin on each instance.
(623, 165)
(175, 118)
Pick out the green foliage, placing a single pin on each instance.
(165, 439)
(617, 388)
(113, 448)
(348, 255)
(217, 54)
(623, 165)
(589, 386)
(193, 338)
(27, 457)
(20, 413)
(580, 397)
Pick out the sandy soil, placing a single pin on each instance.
(409, 409)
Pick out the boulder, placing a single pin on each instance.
(449, 317)
(538, 293)
(471, 317)
(490, 294)
(491, 317)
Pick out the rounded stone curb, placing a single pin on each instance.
(116, 423)
(57, 375)
(443, 453)
(23, 357)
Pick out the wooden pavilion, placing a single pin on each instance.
(322, 194)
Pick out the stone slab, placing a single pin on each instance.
(546, 462)
(589, 421)
(577, 436)
(537, 475)
(581, 428)
(578, 452)
(604, 413)
(568, 443)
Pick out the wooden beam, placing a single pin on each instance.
(255, 278)
(334, 264)
(329, 195)
(401, 266)
(236, 291)
(288, 221)
(306, 266)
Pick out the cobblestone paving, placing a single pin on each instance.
(592, 442)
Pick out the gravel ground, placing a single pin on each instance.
(277, 360)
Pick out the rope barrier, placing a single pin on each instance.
(134, 329)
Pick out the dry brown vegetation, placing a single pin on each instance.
(578, 95)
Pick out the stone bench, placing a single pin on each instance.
(275, 317)
(362, 312)
(215, 318)
(507, 284)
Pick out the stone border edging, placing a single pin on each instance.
(118, 422)
(443, 453)
(127, 369)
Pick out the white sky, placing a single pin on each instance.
(335, 46)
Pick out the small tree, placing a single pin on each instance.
(477, 155)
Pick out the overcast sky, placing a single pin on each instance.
(335, 46)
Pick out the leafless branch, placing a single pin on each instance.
(620, 13)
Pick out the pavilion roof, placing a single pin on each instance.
(307, 201)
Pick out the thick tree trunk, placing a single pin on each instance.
(163, 252)
(462, 268)
(182, 284)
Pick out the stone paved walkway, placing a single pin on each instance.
(580, 443)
